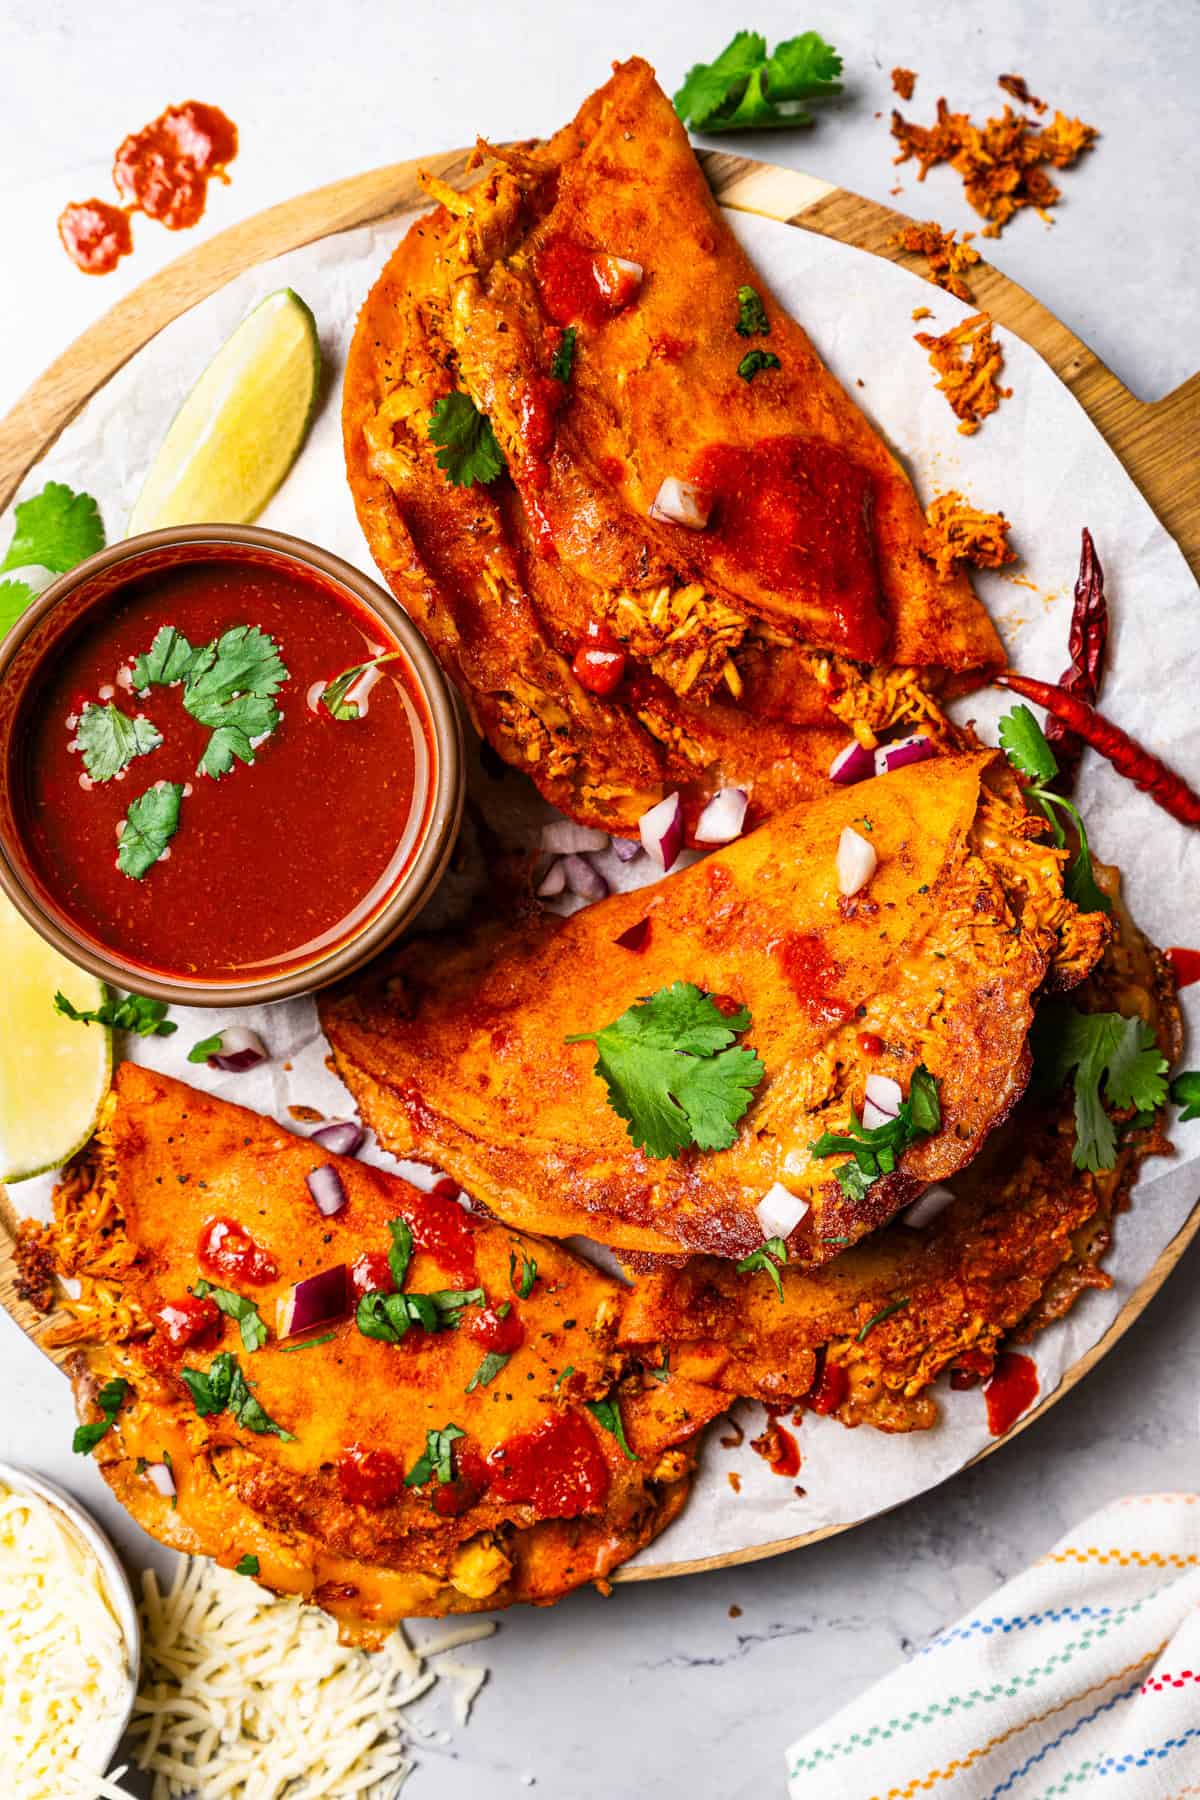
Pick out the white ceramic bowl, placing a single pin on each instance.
(116, 1586)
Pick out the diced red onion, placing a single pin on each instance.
(852, 764)
(779, 1211)
(325, 1186)
(341, 1136)
(856, 861)
(661, 831)
(681, 503)
(625, 850)
(160, 1477)
(240, 1050)
(723, 817)
(914, 749)
(882, 1102)
(553, 881)
(316, 1300)
(583, 878)
(636, 937)
(924, 1211)
(562, 837)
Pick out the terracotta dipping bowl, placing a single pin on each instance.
(44, 633)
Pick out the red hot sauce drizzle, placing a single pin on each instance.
(228, 1249)
(162, 171)
(813, 976)
(1012, 1387)
(558, 1468)
(445, 1230)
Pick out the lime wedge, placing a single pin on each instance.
(240, 429)
(54, 1073)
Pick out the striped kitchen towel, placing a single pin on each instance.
(1081, 1677)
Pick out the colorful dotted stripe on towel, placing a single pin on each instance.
(1157, 1684)
(988, 1627)
(1142, 1559)
(1121, 1765)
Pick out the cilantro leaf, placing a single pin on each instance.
(237, 1307)
(134, 1013)
(333, 697)
(110, 1400)
(876, 1150)
(670, 1071)
(755, 361)
(169, 659)
(752, 318)
(469, 451)
(878, 1318)
(1103, 1050)
(522, 1286)
(247, 1565)
(745, 89)
(247, 718)
(150, 824)
(767, 1259)
(14, 598)
(388, 1317)
(1024, 743)
(400, 1254)
(243, 660)
(564, 356)
(438, 1459)
(1185, 1092)
(209, 1046)
(224, 1388)
(608, 1414)
(56, 529)
(109, 739)
(489, 1368)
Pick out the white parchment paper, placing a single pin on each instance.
(1040, 461)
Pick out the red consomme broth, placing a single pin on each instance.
(278, 863)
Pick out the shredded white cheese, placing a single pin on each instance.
(64, 1661)
(247, 1698)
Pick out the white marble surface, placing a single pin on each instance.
(657, 1691)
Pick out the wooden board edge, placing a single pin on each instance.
(1166, 1260)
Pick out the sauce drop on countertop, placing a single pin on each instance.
(1010, 1391)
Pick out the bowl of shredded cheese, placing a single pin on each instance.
(70, 1644)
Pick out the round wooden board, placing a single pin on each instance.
(1157, 442)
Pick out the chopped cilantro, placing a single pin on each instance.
(767, 1259)
(1185, 1092)
(744, 89)
(564, 356)
(752, 318)
(333, 697)
(248, 1565)
(237, 1307)
(755, 361)
(1024, 743)
(133, 1013)
(388, 1317)
(876, 1151)
(307, 1343)
(489, 1368)
(149, 826)
(608, 1414)
(109, 740)
(670, 1071)
(209, 1046)
(879, 1317)
(563, 1374)
(54, 530)
(230, 686)
(438, 1460)
(224, 1388)
(110, 1400)
(468, 449)
(400, 1254)
(522, 1285)
(1105, 1050)
(169, 659)
(663, 1371)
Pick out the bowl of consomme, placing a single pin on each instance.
(230, 769)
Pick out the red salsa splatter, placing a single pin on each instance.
(798, 513)
(183, 1321)
(778, 1449)
(163, 171)
(369, 1477)
(599, 662)
(492, 1332)
(1012, 1388)
(558, 1468)
(470, 1480)
(370, 1273)
(829, 1389)
(228, 1248)
(1185, 964)
(442, 1228)
(813, 975)
(579, 285)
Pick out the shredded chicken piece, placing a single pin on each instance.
(922, 312)
(968, 360)
(684, 633)
(1015, 85)
(903, 82)
(959, 532)
(945, 255)
(871, 701)
(1000, 162)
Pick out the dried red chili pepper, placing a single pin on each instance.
(1146, 771)
(1087, 644)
